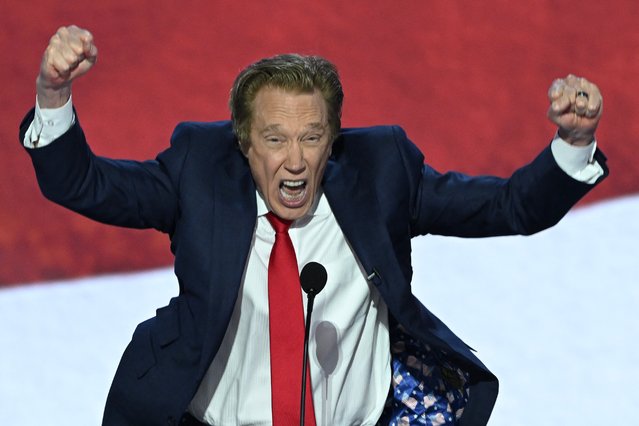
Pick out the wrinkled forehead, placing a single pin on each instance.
(275, 107)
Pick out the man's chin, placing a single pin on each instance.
(291, 209)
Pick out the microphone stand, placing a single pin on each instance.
(313, 279)
(309, 311)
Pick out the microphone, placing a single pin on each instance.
(313, 279)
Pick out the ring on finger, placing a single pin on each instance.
(582, 93)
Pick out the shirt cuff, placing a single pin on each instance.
(48, 124)
(577, 161)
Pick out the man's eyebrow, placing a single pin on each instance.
(315, 126)
(270, 128)
(309, 127)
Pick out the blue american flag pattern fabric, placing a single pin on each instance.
(427, 389)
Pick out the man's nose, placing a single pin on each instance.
(295, 157)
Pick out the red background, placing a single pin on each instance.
(467, 80)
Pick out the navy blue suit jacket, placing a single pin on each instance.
(200, 191)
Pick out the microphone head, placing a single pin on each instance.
(313, 278)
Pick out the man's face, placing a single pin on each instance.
(290, 145)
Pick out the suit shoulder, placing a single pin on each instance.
(207, 138)
(377, 141)
(203, 131)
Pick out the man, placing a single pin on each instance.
(351, 199)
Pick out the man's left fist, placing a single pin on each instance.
(575, 107)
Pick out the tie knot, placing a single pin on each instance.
(280, 225)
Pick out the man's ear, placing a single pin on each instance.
(244, 147)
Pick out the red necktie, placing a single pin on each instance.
(286, 325)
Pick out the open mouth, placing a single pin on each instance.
(293, 192)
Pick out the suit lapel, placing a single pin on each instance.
(361, 217)
(234, 218)
(356, 210)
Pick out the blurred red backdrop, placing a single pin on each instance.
(467, 80)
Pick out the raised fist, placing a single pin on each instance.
(575, 107)
(70, 54)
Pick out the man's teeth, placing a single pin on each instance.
(293, 183)
(293, 190)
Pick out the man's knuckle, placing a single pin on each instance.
(55, 39)
(62, 31)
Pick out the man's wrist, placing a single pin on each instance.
(52, 97)
(576, 139)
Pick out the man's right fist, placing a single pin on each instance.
(70, 54)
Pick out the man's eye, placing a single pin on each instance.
(273, 139)
(314, 138)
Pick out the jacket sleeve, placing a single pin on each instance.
(534, 198)
(125, 193)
